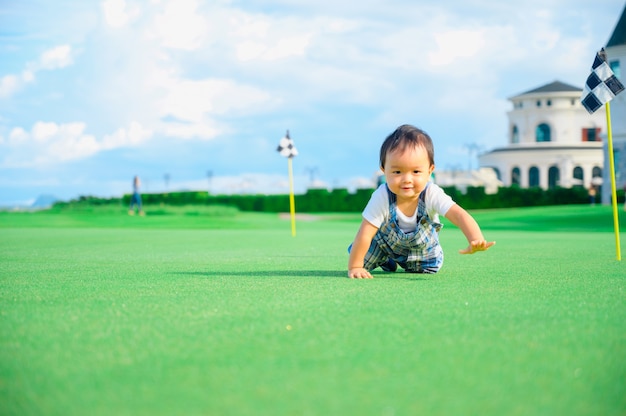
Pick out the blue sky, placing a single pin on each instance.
(193, 94)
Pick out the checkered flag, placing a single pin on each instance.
(601, 86)
(286, 147)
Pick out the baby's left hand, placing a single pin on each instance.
(477, 245)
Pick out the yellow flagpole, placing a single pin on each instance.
(613, 187)
(292, 203)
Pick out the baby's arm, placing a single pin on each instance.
(361, 244)
(468, 225)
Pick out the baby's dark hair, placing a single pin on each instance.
(405, 136)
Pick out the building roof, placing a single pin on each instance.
(619, 34)
(545, 147)
(556, 86)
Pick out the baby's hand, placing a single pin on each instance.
(359, 273)
(477, 245)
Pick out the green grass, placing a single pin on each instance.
(213, 312)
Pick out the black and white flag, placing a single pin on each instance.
(286, 147)
(601, 86)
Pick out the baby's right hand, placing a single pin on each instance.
(359, 273)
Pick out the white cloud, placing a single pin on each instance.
(55, 58)
(51, 59)
(133, 136)
(193, 104)
(258, 37)
(9, 84)
(70, 142)
(180, 25)
(17, 136)
(455, 44)
(149, 82)
(203, 129)
(288, 47)
(49, 143)
(117, 13)
(249, 50)
(28, 75)
(43, 132)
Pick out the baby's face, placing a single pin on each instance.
(407, 172)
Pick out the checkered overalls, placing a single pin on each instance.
(418, 251)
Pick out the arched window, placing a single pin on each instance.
(515, 176)
(579, 176)
(616, 69)
(596, 172)
(533, 176)
(543, 133)
(553, 177)
(514, 134)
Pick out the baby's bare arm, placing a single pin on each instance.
(361, 244)
(470, 228)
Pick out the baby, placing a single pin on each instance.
(401, 221)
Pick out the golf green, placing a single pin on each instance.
(213, 312)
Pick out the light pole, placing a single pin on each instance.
(472, 148)
(209, 175)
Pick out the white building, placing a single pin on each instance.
(616, 56)
(552, 140)
(462, 179)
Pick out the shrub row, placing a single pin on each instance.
(340, 200)
(509, 197)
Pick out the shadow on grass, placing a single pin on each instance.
(300, 273)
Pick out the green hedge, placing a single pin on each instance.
(340, 200)
(508, 197)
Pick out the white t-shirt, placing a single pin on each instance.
(377, 210)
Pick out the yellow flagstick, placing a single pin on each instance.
(292, 203)
(613, 189)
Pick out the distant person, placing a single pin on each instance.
(401, 221)
(592, 195)
(135, 199)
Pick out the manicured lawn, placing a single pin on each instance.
(202, 312)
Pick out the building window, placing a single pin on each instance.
(596, 172)
(615, 68)
(533, 176)
(573, 102)
(515, 176)
(591, 135)
(549, 103)
(543, 133)
(514, 135)
(538, 103)
(579, 176)
(553, 177)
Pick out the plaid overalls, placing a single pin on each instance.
(417, 252)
